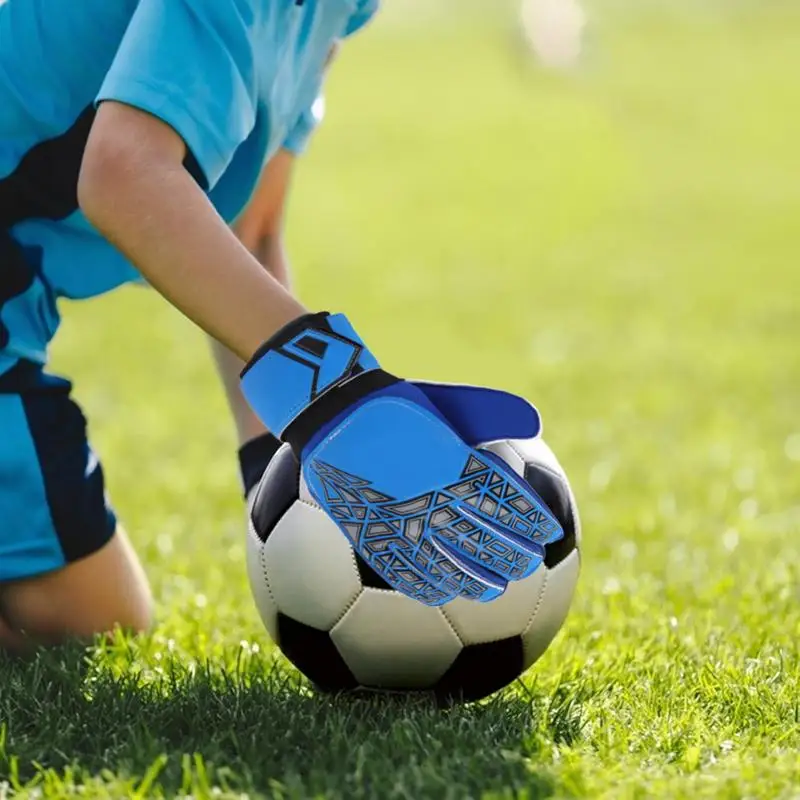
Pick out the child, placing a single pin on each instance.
(137, 139)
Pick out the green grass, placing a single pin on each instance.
(621, 246)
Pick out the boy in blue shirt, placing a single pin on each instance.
(137, 139)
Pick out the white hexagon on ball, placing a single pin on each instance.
(551, 612)
(259, 585)
(507, 616)
(310, 568)
(391, 641)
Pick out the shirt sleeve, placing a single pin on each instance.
(191, 64)
(365, 12)
(297, 140)
(300, 134)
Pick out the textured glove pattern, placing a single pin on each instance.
(425, 534)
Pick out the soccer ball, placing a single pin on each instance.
(346, 629)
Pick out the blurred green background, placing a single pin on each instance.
(618, 242)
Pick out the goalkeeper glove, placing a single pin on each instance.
(395, 464)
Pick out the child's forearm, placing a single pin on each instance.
(269, 250)
(134, 189)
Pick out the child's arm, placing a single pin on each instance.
(134, 188)
(260, 230)
(175, 105)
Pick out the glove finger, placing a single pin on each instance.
(494, 519)
(481, 415)
(485, 585)
(512, 503)
(417, 573)
(482, 584)
(425, 572)
(489, 546)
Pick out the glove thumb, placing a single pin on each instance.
(480, 415)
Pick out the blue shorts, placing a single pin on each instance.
(53, 506)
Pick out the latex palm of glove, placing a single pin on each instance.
(395, 463)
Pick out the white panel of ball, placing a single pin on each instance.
(550, 614)
(310, 567)
(503, 618)
(259, 585)
(391, 641)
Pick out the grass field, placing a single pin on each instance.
(619, 244)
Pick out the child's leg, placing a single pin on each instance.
(65, 568)
(105, 590)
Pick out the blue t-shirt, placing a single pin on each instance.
(237, 79)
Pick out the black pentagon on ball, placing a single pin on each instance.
(274, 497)
(313, 652)
(480, 670)
(554, 491)
(369, 577)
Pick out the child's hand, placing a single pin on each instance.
(394, 463)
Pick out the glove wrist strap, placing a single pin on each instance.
(319, 415)
(307, 373)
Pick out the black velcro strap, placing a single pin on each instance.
(254, 458)
(317, 320)
(333, 403)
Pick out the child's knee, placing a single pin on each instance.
(103, 592)
(37, 617)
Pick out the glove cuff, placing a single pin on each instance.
(254, 458)
(301, 377)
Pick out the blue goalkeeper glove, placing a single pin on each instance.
(395, 463)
